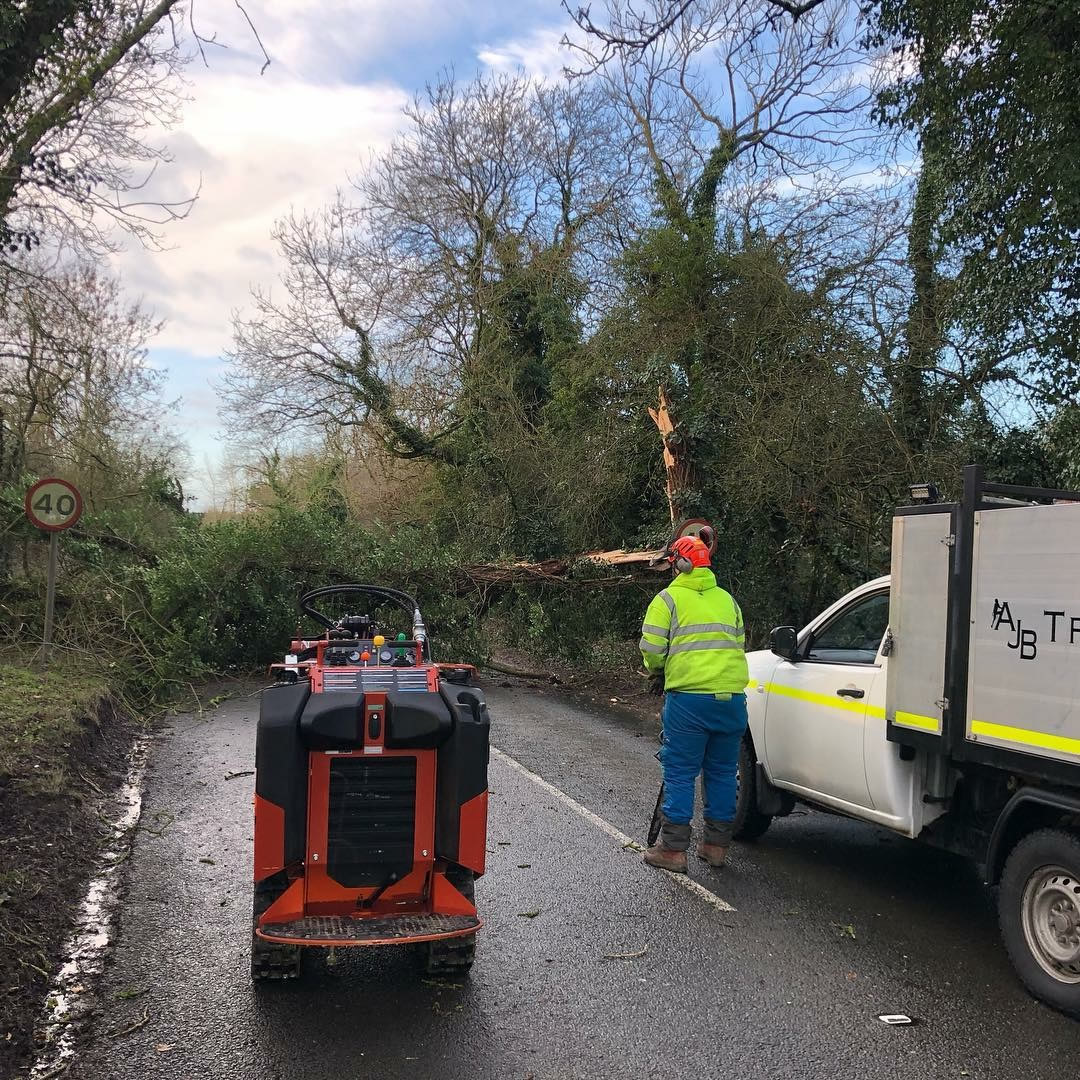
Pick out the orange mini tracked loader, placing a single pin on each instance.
(370, 795)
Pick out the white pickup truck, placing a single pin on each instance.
(943, 703)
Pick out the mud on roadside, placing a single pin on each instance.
(50, 838)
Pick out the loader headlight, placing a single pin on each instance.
(924, 493)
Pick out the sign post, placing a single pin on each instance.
(53, 505)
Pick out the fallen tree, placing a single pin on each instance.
(558, 571)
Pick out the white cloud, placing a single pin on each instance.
(539, 53)
(258, 147)
(323, 40)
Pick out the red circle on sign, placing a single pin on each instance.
(59, 519)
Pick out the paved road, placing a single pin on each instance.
(833, 923)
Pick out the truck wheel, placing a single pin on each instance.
(452, 957)
(750, 823)
(1039, 912)
(270, 962)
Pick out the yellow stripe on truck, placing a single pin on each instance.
(916, 720)
(1025, 737)
(830, 701)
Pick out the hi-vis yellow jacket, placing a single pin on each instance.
(693, 630)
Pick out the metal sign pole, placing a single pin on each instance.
(50, 599)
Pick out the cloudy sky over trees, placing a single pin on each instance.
(254, 147)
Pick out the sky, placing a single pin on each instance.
(255, 146)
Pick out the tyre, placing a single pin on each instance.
(452, 957)
(271, 962)
(1039, 913)
(750, 823)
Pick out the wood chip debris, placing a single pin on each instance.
(626, 955)
(142, 1022)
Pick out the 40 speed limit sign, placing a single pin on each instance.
(53, 504)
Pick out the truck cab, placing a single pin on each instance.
(817, 716)
(942, 702)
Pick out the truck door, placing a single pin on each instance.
(815, 719)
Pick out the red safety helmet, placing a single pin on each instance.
(688, 552)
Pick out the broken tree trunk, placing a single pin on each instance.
(677, 462)
(555, 571)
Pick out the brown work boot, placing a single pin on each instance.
(666, 858)
(713, 854)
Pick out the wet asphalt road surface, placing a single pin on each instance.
(833, 923)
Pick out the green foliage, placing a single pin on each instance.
(588, 620)
(163, 610)
(990, 87)
(787, 454)
(512, 469)
(226, 597)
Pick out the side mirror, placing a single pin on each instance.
(784, 641)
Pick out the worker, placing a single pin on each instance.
(692, 642)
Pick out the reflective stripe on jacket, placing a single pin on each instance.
(694, 631)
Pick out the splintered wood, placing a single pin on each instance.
(676, 464)
(555, 570)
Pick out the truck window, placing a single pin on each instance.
(854, 636)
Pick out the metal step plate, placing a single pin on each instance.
(381, 930)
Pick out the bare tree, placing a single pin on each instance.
(739, 86)
(391, 306)
(82, 82)
(72, 373)
(637, 30)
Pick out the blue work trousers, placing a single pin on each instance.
(702, 733)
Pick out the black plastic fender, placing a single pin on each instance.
(281, 761)
(1027, 798)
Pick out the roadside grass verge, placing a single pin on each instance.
(41, 716)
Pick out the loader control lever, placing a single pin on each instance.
(363, 626)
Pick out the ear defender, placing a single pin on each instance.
(688, 552)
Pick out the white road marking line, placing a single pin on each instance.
(681, 880)
(66, 1006)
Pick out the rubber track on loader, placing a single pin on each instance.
(270, 961)
(341, 930)
(450, 957)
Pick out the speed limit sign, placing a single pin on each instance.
(53, 504)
